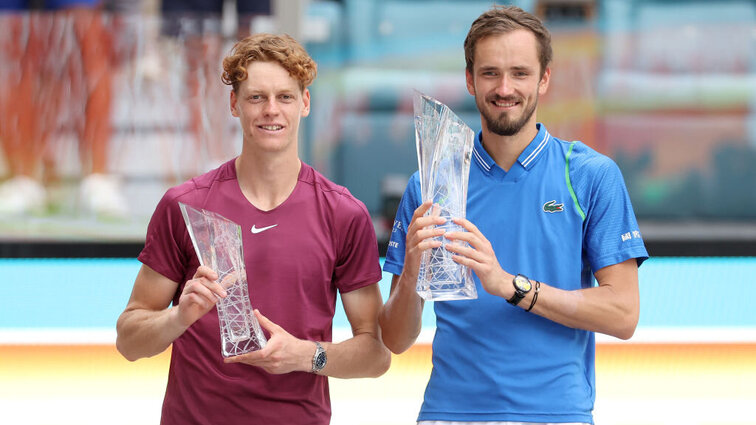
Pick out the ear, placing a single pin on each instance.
(470, 82)
(306, 101)
(232, 104)
(544, 84)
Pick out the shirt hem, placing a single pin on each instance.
(506, 417)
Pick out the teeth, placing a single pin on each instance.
(271, 127)
(505, 105)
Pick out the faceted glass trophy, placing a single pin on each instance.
(444, 149)
(218, 244)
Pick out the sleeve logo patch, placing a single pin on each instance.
(553, 207)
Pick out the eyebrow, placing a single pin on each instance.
(253, 92)
(514, 68)
(521, 68)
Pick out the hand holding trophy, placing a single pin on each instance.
(444, 149)
(218, 244)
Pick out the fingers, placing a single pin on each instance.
(206, 272)
(229, 280)
(234, 359)
(248, 358)
(425, 238)
(467, 225)
(278, 355)
(477, 247)
(422, 228)
(472, 236)
(197, 298)
(420, 220)
(420, 211)
(266, 323)
(255, 358)
(205, 277)
(212, 291)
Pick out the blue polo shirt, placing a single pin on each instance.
(559, 214)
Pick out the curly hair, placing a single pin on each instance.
(504, 19)
(283, 49)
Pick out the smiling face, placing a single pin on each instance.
(506, 81)
(269, 105)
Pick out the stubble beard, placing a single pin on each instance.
(503, 126)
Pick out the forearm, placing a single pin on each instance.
(401, 316)
(611, 308)
(362, 356)
(598, 309)
(145, 333)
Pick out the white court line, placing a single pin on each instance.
(655, 335)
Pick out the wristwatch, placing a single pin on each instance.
(522, 286)
(320, 359)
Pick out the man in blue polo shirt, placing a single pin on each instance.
(544, 218)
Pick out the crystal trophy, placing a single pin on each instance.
(444, 149)
(218, 244)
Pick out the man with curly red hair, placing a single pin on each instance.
(305, 239)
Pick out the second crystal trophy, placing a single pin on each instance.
(444, 149)
(218, 244)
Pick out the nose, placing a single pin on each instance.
(504, 86)
(271, 107)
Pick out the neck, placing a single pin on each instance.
(505, 150)
(267, 180)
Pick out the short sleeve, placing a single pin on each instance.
(611, 232)
(357, 262)
(411, 199)
(164, 247)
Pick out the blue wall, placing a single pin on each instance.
(91, 293)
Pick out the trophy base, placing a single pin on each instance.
(448, 294)
(238, 348)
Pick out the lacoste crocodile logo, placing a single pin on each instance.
(553, 207)
(261, 229)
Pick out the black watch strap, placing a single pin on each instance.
(516, 298)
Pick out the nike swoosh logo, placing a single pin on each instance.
(261, 229)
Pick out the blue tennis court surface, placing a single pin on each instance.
(676, 293)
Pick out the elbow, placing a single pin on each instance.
(394, 339)
(397, 347)
(379, 360)
(123, 349)
(392, 345)
(626, 326)
(625, 334)
(126, 355)
(384, 363)
(122, 345)
(395, 343)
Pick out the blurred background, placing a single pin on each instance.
(104, 107)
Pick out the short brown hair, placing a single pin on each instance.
(282, 49)
(504, 19)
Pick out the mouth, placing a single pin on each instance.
(507, 102)
(270, 127)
